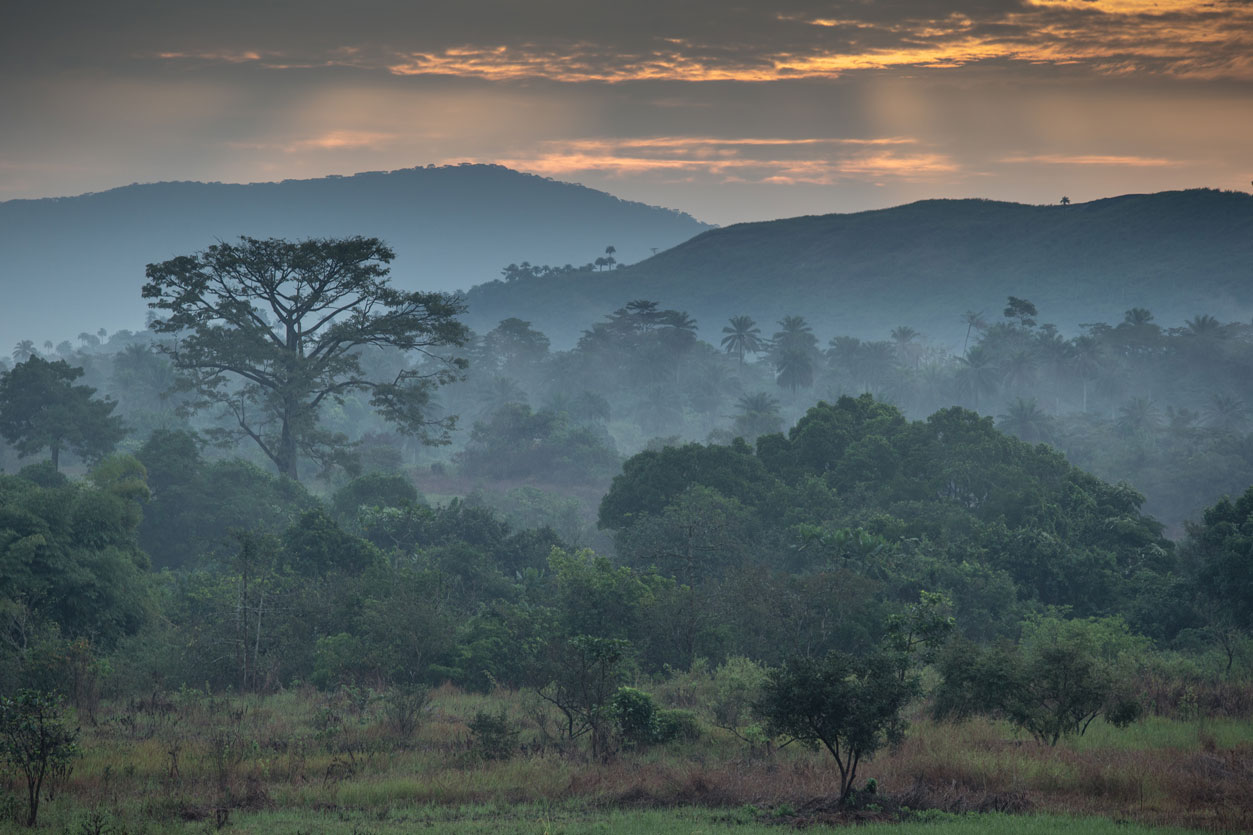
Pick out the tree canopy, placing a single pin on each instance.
(269, 330)
(41, 408)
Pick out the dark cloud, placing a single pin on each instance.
(1005, 98)
(693, 40)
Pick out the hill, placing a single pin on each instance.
(77, 263)
(925, 264)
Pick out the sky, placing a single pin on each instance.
(728, 110)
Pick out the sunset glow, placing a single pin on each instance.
(856, 104)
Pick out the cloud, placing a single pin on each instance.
(814, 161)
(649, 40)
(1212, 39)
(1094, 159)
(335, 140)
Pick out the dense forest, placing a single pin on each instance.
(922, 264)
(658, 538)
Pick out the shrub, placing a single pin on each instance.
(36, 740)
(492, 735)
(676, 726)
(403, 709)
(635, 713)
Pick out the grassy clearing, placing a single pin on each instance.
(304, 761)
(531, 820)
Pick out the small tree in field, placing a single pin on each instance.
(587, 672)
(1063, 676)
(36, 741)
(850, 706)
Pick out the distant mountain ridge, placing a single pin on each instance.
(77, 263)
(923, 265)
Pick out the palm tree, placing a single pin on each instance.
(876, 361)
(794, 334)
(1019, 370)
(977, 375)
(1138, 416)
(973, 321)
(907, 348)
(842, 365)
(1084, 359)
(1226, 414)
(758, 415)
(678, 331)
(24, 350)
(742, 336)
(1204, 325)
(1025, 420)
(794, 369)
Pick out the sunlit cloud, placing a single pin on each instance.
(336, 140)
(1210, 39)
(1093, 159)
(1138, 7)
(815, 161)
(224, 57)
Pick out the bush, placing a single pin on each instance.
(640, 723)
(635, 713)
(404, 707)
(492, 735)
(676, 726)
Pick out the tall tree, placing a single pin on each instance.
(742, 337)
(41, 408)
(793, 350)
(269, 330)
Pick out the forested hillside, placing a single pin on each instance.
(76, 263)
(925, 264)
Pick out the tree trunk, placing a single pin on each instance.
(56, 456)
(287, 448)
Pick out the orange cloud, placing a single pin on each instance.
(336, 140)
(1196, 38)
(224, 57)
(1094, 159)
(734, 160)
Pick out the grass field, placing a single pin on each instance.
(305, 761)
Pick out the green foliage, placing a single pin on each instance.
(271, 363)
(41, 408)
(676, 725)
(69, 555)
(37, 741)
(373, 490)
(738, 685)
(851, 706)
(854, 481)
(516, 443)
(635, 713)
(314, 544)
(1219, 551)
(586, 674)
(404, 708)
(196, 504)
(697, 538)
(492, 735)
(652, 480)
(921, 631)
(1063, 675)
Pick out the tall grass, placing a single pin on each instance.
(304, 760)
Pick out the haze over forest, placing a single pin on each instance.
(647, 418)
